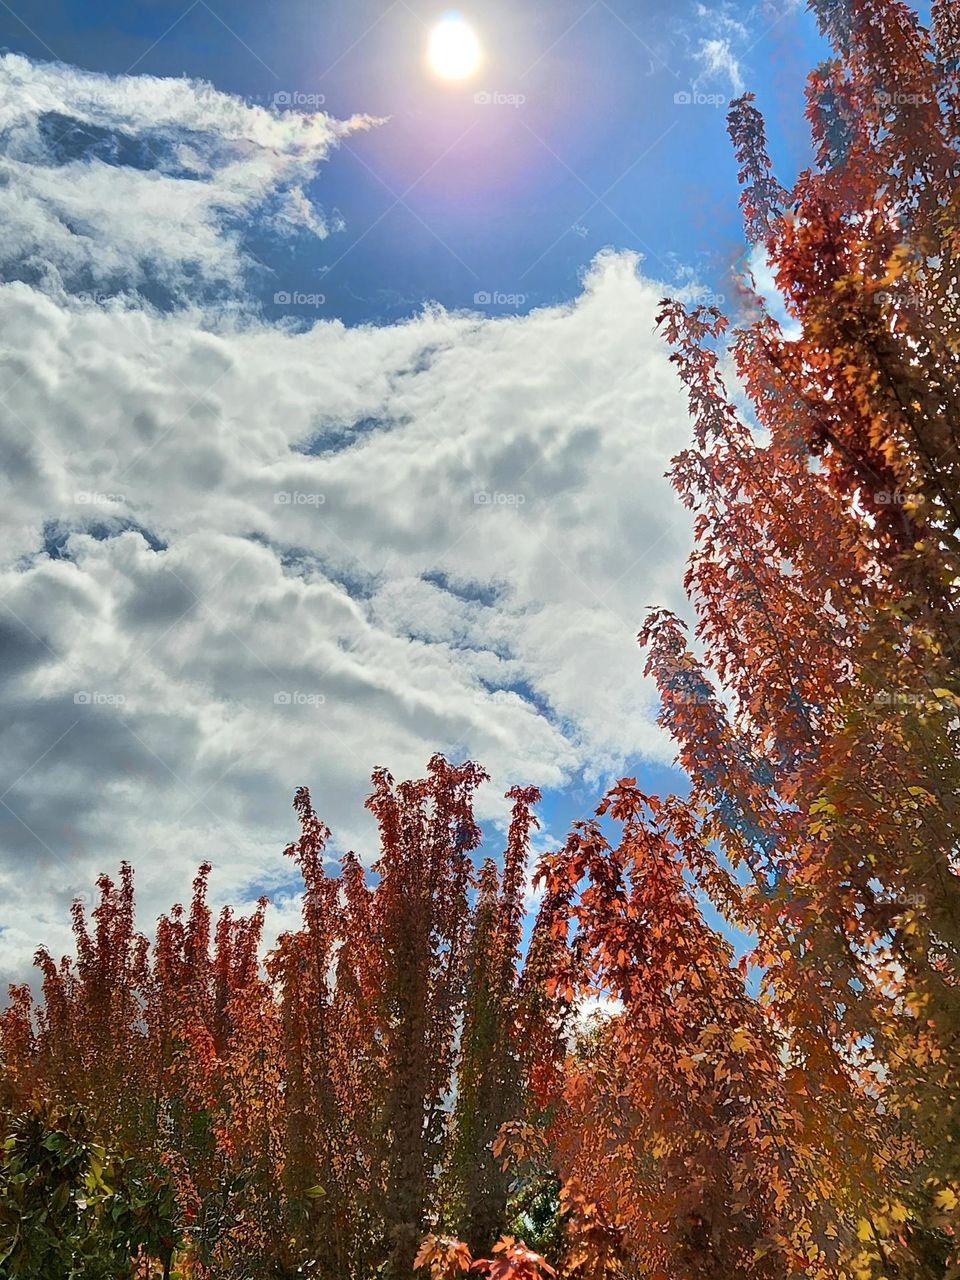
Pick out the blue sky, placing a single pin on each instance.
(452, 197)
(336, 420)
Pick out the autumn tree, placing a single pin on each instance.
(406, 1019)
(319, 1109)
(686, 1145)
(493, 1038)
(160, 1046)
(817, 712)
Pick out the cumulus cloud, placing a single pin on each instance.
(238, 558)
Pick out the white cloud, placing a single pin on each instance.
(156, 209)
(277, 558)
(718, 60)
(764, 281)
(723, 36)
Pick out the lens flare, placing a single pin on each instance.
(454, 52)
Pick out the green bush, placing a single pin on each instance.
(68, 1211)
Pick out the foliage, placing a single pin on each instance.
(67, 1209)
(512, 1260)
(303, 1108)
(817, 716)
(681, 1142)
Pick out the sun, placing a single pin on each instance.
(454, 52)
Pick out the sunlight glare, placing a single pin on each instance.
(454, 51)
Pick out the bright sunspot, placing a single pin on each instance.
(454, 51)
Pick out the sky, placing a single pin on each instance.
(333, 418)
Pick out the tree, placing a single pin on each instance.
(317, 1111)
(491, 1078)
(817, 716)
(683, 1140)
(397, 998)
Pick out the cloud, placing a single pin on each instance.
(722, 37)
(716, 59)
(134, 182)
(239, 557)
(759, 267)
